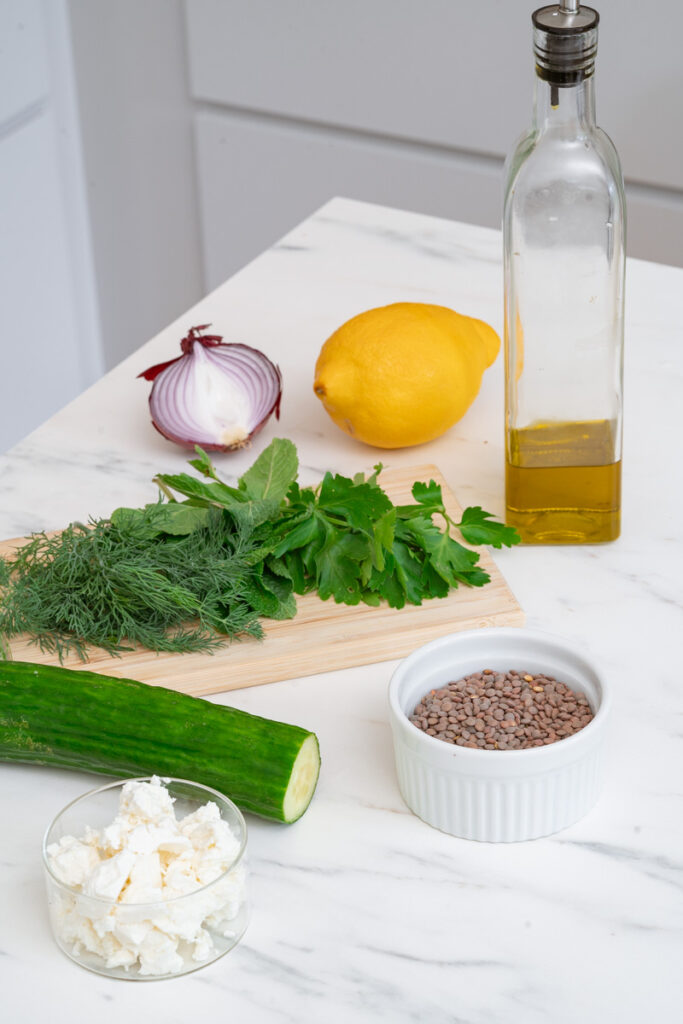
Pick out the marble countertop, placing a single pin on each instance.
(360, 911)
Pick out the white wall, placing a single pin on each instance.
(137, 131)
(50, 340)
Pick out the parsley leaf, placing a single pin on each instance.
(428, 494)
(187, 574)
(345, 538)
(337, 567)
(450, 560)
(477, 528)
(297, 536)
(359, 504)
(408, 572)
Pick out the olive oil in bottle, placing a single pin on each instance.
(564, 226)
(562, 484)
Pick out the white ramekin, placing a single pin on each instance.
(499, 796)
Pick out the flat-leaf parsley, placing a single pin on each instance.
(190, 574)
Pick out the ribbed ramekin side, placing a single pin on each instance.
(499, 809)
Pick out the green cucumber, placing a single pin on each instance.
(95, 723)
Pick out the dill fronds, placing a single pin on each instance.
(104, 586)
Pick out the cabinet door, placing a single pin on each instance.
(259, 179)
(50, 338)
(413, 103)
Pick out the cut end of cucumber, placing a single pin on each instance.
(303, 780)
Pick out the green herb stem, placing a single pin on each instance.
(192, 574)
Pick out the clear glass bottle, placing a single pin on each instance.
(564, 225)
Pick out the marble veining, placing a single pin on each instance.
(361, 912)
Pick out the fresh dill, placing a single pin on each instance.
(189, 575)
(112, 587)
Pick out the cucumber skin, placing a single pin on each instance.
(89, 722)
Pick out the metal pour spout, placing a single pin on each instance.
(565, 44)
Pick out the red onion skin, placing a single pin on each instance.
(210, 341)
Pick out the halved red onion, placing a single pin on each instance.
(216, 394)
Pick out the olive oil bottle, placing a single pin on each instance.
(564, 227)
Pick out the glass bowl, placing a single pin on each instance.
(146, 941)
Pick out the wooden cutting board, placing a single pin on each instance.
(324, 636)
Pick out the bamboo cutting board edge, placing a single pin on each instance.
(322, 637)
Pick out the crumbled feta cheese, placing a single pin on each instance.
(145, 802)
(125, 880)
(73, 861)
(110, 876)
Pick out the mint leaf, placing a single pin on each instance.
(217, 494)
(263, 602)
(277, 567)
(203, 464)
(277, 583)
(251, 514)
(286, 610)
(174, 518)
(270, 595)
(273, 472)
(477, 528)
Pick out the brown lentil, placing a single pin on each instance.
(502, 711)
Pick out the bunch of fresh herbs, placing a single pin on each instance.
(107, 585)
(185, 575)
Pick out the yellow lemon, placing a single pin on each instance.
(403, 374)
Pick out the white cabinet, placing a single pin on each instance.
(50, 333)
(258, 178)
(410, 102)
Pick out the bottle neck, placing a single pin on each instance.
(567, 107)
